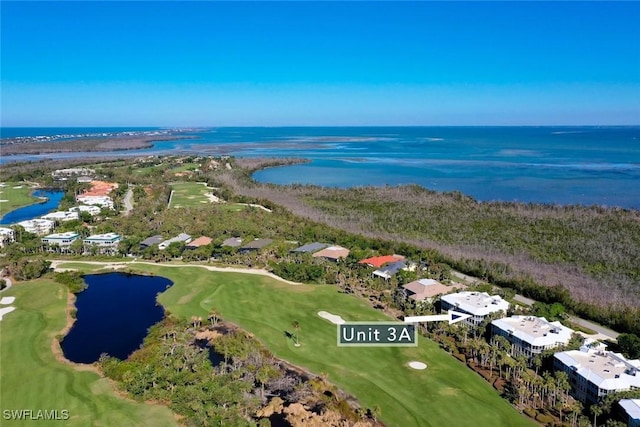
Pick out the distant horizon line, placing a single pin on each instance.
(307, 126)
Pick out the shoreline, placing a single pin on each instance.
(272, 163)
(97, 145)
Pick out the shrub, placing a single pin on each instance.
(530, 412)
(544, 419)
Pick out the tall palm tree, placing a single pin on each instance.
(296, 328)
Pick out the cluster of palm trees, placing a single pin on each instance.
(524, 386)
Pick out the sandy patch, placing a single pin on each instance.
(3, 200)
(207, 335)
(418, 365)
(7, 300)
(333, 318)
(5, 310)
(212, 198)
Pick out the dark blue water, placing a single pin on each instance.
(586, 165)
(36, 210)
(114, 315)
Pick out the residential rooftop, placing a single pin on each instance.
(607, 370)
(536, 331)
(428, 288)
(65, 235)
(310, 247)
(379, 261)
(153, 240)
(200, 241)
(332, 252)
(257, 244)
(233, 242)
(631, 407)
(103, 237)
(476, 303)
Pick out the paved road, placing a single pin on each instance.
(128, 206)
(524, 300)
(8, 282)
(470, 280)
(601, 331)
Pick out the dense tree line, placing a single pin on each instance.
(174, 367)
(583, 257)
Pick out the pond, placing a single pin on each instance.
(113, 316)
(37, 209)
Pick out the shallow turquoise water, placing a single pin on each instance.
(564, 165)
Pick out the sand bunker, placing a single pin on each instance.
(7, 300)
(212, 198)
(333, 318)
(418, 365)
(3, 200)
(6, 310)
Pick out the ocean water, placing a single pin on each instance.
(556, 165)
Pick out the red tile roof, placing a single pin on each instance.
(100, 188)
(379, 261)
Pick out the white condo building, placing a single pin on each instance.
(91, 209)
(103, 201)
(478, 304)
(595, 372)
(7, 235)
(61, 241)
(37, 226)
(106, 243)
(631, 408)
(61, 216)
(530, 335)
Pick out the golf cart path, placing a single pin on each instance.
(117, 265)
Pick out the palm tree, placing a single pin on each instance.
(214, 315)
(296, 328)
(595, 410)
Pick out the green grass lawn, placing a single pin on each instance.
(144, 171)
(188, 194)
(186, 167)
(33, 379)
(446, 393)
(15, 197)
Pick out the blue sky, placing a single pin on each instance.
(319, 63)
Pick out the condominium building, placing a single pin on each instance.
(37, 226)
(478, 304)
(7, 235)
(103, 201)
(106, 243)
(61, 216)
(90, 209)
(60, 241)
(631, 410)
(595, 372)
(530, 335)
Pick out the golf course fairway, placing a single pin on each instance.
(33, 380)
(446, 393)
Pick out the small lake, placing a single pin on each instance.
(114, 314)
(37, 209)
